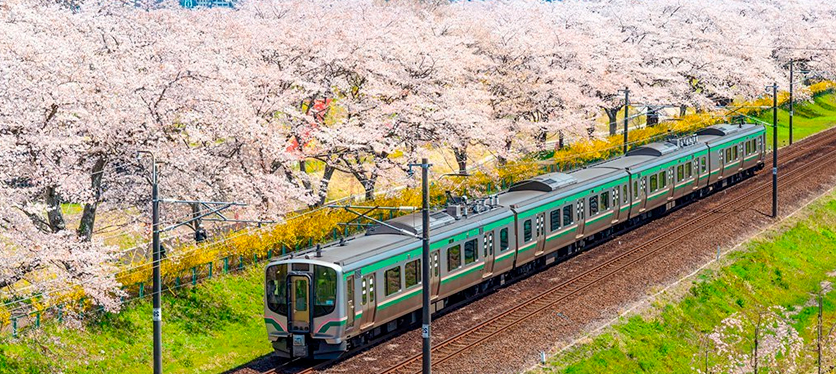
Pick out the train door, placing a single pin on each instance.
(350, 310)
(540, 232)
(488, 254)
(299, 287)
(642, 193)
(580, 210)
(367, 301)
(435, 274)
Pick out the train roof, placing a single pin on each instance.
(377, 241)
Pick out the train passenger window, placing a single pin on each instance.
(688, 170)
(702, 164)
(605, 200)
(393, 280)
(435, 263)
(527, 231)
(593, 205)
(635, 190)
(567, 215)
(748, 147)
(624, 193)
(728, 154)
(503, 239)
(663, 179)
(470, 252)
(454, 257)
(654, 183)
(680, 173)
(734, 153)
(554, 220)
(412, 273)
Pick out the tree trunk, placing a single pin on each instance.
(560, 140)
(461, 158)
(612, 116)
(542, 134)
(88, 216)
(682, 109)
(53, 213)
(197, 224)
(323, 185)
(306, 182)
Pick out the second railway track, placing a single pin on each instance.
(799, 162)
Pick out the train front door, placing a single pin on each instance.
(367, 301)
(299, 290)
(488, 254)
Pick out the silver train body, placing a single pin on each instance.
(319, 304)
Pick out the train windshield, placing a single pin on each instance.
(325, 290)
(277, 289)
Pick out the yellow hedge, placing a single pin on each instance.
(302, 229)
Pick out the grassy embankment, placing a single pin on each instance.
(206, 329)
(715, 320)
(712, 325)
(209, 328)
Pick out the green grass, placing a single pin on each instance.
(218, 325)
(784, 271)
(809, 118)
(206, 329)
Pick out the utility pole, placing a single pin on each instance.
(792, 63)
(626, 91)
(155, 250)
(425, 269)
(775, 150)
(214, 208)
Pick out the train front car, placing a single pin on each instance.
(301, 308)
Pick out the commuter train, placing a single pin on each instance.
(320, 303)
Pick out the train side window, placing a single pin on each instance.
(615, 197)
(654, 183)
(635, 190)
(688, 170)
(680, 173)
(454, 257)
(593, 205)
(487, 244)
(625, 194)
(470, 252)
(393, 280)
(503, 239)
(734, 152)
(435, 263)
(527, 231)
(663, 179)
(748, 147)
(567, 215)
(702, 164)
(605, 200)
(554, 220)
(728, 154)
(412, 273)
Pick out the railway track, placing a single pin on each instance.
(797, 159)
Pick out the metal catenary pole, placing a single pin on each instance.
(775, 150)
(425, 269)
(626, 116)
